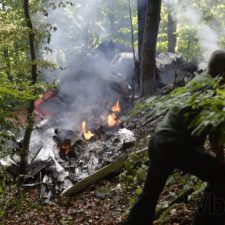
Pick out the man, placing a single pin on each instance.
(174, 147)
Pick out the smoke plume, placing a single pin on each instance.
(207, 34)
(85, 78)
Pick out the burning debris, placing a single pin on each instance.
(86, 133)
(78, 127)
(109, 121)
(60, 157)
(112, 119)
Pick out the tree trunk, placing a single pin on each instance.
(142, 10)
(30, 120)
(148, 68)
(111, 7)
(172, 27)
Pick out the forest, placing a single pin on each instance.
(85, 85)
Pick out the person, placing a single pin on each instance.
(173, 146)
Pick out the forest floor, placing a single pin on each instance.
(107, 202)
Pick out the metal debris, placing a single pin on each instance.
(56, 174)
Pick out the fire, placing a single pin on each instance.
(112, 119)
(87, 133)
(116, 108)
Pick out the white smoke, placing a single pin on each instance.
(170, 2)
(86, 76)
(208, 40)
(83, 22)
(207, 35)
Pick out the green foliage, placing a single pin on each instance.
(162, 44)
(134, 173)
(207, 97)
(211, 13)
(16, 89)
(2, 196)
(92, 22)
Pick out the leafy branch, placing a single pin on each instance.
(208, 98)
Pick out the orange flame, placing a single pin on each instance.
(112, 119)
(116, 107)
(87, 133)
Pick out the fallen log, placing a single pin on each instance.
(97, 176)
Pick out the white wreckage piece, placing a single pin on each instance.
(44, 160)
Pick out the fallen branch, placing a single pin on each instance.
(97, 176)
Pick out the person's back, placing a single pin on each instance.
(176, 124)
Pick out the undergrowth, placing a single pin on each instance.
(208, 98)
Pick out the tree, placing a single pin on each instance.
(111, 6)
(30, 120)
(172, 26)
(142, 10)
(148, 68)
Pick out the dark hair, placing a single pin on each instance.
(216, 64)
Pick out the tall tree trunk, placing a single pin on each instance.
(30, 120)
(172, 26)
(148, 68)
(111, 6)
(142, 11)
